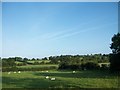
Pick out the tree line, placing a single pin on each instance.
(64, 61)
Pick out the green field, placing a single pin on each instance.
(46, 61)
(36, 66)
(64, 79)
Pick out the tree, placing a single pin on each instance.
(115, 46)
(45, 58)
(25, 61)
(18, 59)
(8, 64)
(114, 58)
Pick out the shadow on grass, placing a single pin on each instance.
(34, 83)
(80, 74)
(46, 84)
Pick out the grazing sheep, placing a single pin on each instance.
(46, 71)
(19, 72)
(73, 71)
(9, 72)
(47, 77)
(14, 72)
(52, 79)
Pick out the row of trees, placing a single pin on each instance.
(78, 59)
(69, 59)
(64, 61)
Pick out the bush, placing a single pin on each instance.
(66, 66)
(21, 64)
(36, 63)
(90, 66)
(6, 69)
(115, 62)
(29, 69)
(104, 67)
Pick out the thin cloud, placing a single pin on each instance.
(62, 32)
(69, 34)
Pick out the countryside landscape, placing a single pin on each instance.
(69, 71)
(60, 46)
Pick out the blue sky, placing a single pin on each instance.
(45, 29)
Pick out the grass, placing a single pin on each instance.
(80, 79)
(36, 66)
(46, 61)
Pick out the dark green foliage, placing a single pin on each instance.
(115, 46)
(45, 58)
(90, 66)
(29, 69)
(10, 62)
(70, 67)
(43, 62)
(36, 63)
(78, 59)
(73, 62)
(115, 62)
(33, 59)
(104, 67)
(18, 59)
(115, 57)
(21, 64)
(54, 59)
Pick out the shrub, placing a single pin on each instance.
(90, 66)
(115, 62)
(104, 67)
(66, 66)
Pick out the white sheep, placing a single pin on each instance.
(19, 72)
(14, 72)
(73, 71)
(9, 72)
(52, 79)
(47, 77)
(46, 71)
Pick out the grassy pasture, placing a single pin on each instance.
(36, 66)
(17, 62)
(64, 79)
(46, 61)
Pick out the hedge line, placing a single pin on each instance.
(29, 69)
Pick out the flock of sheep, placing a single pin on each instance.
(47, 77)
(14, 72)
(53, 79)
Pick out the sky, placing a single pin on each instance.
(42, 29)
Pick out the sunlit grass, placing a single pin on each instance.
(35, 66)
(81, 79)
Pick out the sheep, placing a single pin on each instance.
(46, 71)
(14, 72)
(73, 71)
(47, 77)
(19, 72)
(9, 72)
(52, 79)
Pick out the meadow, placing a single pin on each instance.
(38, 66)
(63, 79)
